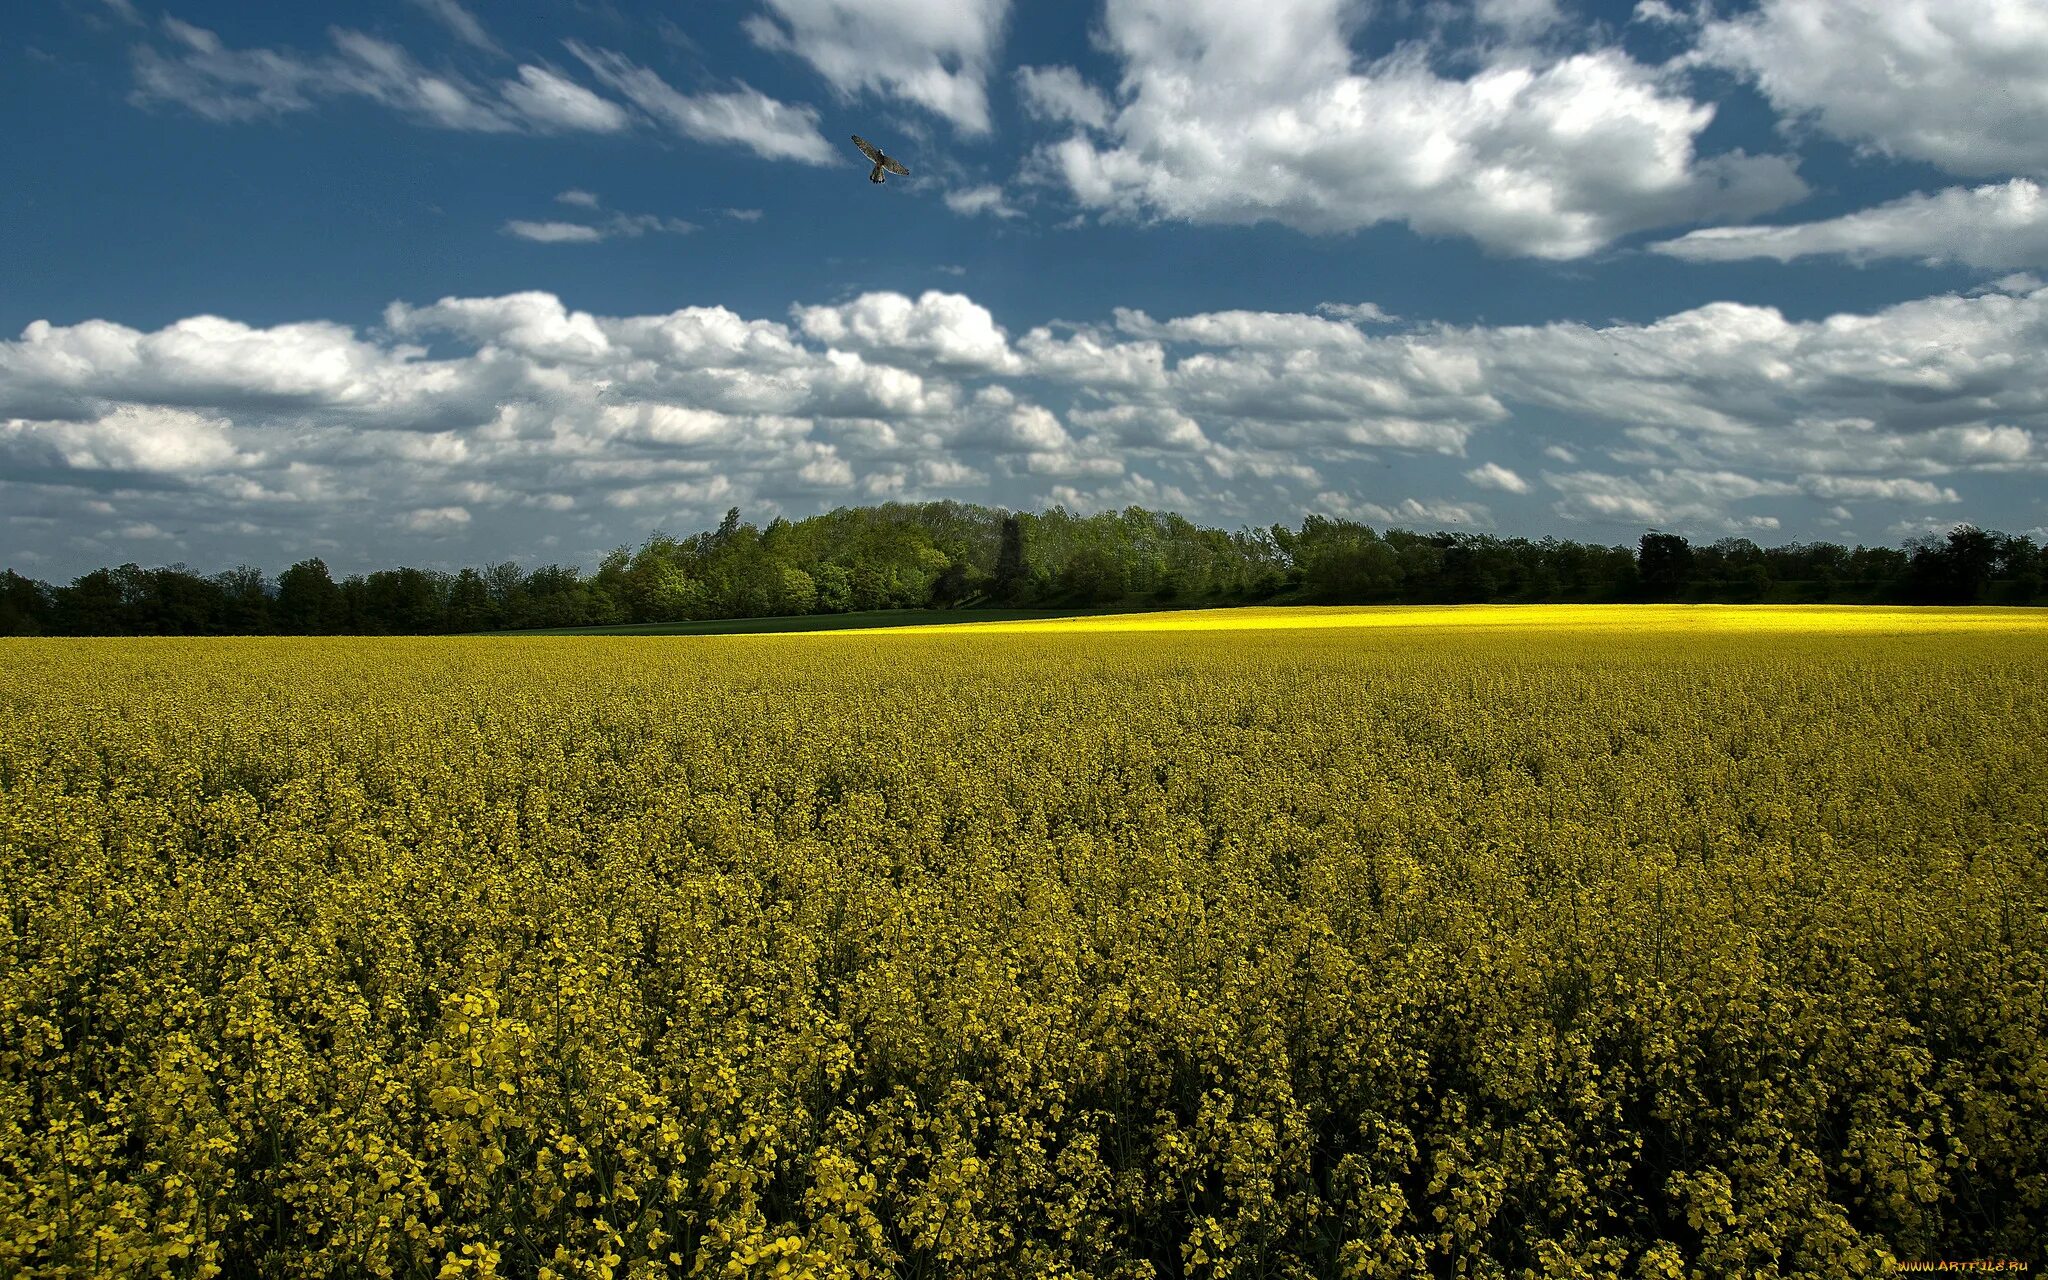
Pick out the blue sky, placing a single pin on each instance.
(437, 283)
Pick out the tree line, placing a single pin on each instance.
(953, 555)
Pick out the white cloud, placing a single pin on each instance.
(1243, 114)
(1358, 312)
(1664, 498)
(1492, 475)
(223, 84)
(1659, 13)
(1959, 83)
(948, 330)
(1996, 226)
(1060, 95)
(1722, 417)
(744, 117)
(435, 519)
(1407, 512)
(934, 53)
(462, 22)
(2017, 282)
(553, 232)
(1136, 426)
(1518, 18)
(581, 199)
(1853, 488)
(131, 437)
(1916, 389)
(1090, 358)
(969, 201)
(533, 324)
(552, 102)
(203, 75)
(619, 225)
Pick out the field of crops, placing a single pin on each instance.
(1579, 943)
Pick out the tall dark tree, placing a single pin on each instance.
(1955, 569)
(1013, 573)
(93, 605)
(25, 605)
(1664, 564)
(308, 602)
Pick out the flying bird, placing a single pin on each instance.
(883, 164)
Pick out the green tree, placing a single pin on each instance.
(308, 602)
(1013, 571)
(1664, 565)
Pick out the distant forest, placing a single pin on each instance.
(950, 554)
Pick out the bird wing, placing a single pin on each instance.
(868, 149)
(893, 167)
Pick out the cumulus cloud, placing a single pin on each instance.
(1959, 83)
(1406, 511)
(988, 199)
(744, 116)
(1243, 114)
(1520, 19)
(1920, 388)
(934, 53)
(1996, 226)
(435, 519)
(947, 330)
(1492, 475)
(1060, 95)
(129, 437)
(520, 408)
(1666, 498)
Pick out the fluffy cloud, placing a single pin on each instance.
(1518, 18)
(1409, 512)
(1959, 83)
(1921, 388)
(1242, 114)
(935, 53)
(435, 519)
(1492, 475)
(1060, 95)
(1997, 226)
(1682, 498)
(983, 199)
(950, 331)
(146, 438)
(1721, 418)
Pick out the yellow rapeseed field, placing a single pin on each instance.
(1489, 942)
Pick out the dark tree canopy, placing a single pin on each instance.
(958, 555)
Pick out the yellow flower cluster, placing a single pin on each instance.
(1416, 950)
